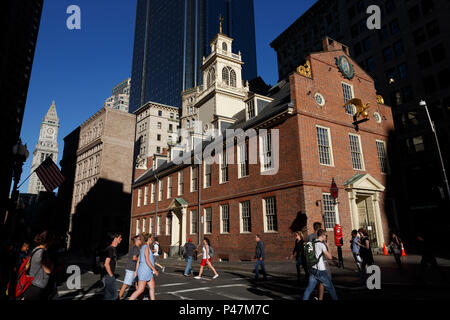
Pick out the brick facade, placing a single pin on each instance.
(300, 180)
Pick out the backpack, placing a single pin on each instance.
(24, 279)
(211, 251)
(310, 253)
(160, 251)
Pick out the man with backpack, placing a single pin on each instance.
(189, 251)
(157, 251)
(315, 251)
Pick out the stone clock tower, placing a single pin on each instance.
(47, 146)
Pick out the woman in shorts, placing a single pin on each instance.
(206, 260)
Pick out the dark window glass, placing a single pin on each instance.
(390, 5)
(363, 25)
(407, 94)
(438, 53)
(351, 12)
(360, 6)
(354, 30)
(414, 14)
(387, 54)
(419, 36)
(394, 26)
(357, 49)
(443, 79)
(432, 29)
(398, 48)
(383, 33)
(424, 59)
(427, 6)
(403, 71)
(370, 64)
(366, 44)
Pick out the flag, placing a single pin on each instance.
(49, 174)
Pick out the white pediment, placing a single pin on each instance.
(364, 182)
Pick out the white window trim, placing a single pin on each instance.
(180, 189)
(145, 195)
(158, 224)
(240, 176)
(160, 190)
(353, 95)
(221, 220)
(224, 152)
(331, 146)
(204, 176)
(139, 197)
(361, 151)
(191, 179)
(168, 228)
(388, 169)
(336, 210)
(190, 221)
(261, 152)
(169, 183)
(241, 221)
(152, 196)
(265, 215)
(204, 224)
(138, 230)
(144, 222)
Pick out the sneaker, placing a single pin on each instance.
(197, 277)
(186, 275)
(163, 268)
(215, 276)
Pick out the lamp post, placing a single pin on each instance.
(20, 155)
(424, 104)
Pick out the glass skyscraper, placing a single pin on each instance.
(172, 36)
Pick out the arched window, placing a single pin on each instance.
(232, 78)
(213, 75)
(225, 76)
(208, 79)
(224, 46)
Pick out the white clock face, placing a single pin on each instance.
(50, 130)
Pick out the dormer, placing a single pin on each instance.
(254, 104)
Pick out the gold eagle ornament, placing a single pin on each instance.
(360, 107)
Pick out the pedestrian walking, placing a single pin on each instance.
(365, 251)
(133, 256)
(145, 268)
(427, 241)
(110, 292)
(206, 260)
(298, 254)
(157, 251)
(317, 250)
(41, 267)
(311, 238)
(355, 249)
(395, 247)
(260, 256)
(189, 251)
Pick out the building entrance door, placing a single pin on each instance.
(366, 214)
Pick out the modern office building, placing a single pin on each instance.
(120, 96)
(171, 39)
(409, 60)
(20, 22)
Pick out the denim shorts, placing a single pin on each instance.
(129, 277)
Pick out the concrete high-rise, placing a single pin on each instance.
(171, 39)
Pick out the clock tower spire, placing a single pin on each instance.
(47, 146)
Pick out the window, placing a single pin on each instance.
(266, 150)
(366, 44)
(370, 64)
(180, 183)
(355, 151)
(158, 225)
(138, 230)
(243, 160)
(382, 158)
(145, 195)
(246, 224)
(433, 29)
(270, 213)
(415, 144)
(207, 177)
(169, 187)
(224, 219)
(414, 14)
(193, 179)
(152, 198)
(151, 223)
(223, 167)
(384, 33)
(160, 189)
(158, 149)
(398, 48)
(251, 109)
(419, 36)
(394, 26)
(387, 54)
(159, 113)
(158, 137)
(208, 220)
(347, 91)
(169, 225)
(170, 127)
(159, 125)
(329, 211)
(144, 222)
(438, 53)
(232, 78)
(403, 71)
(224, 46)
(225, 76)
(193, 221)
(324, 145)
(139, 197)
(171, 115)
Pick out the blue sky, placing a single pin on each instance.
(78, 68)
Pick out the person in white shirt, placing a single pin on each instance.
(206, 260)
(155, 251)
(318, 272)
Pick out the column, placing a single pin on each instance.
(354, 214)
(380, 233)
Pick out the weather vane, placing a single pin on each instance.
(360, 111)
(220, 23)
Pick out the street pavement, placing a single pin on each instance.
(236, 282)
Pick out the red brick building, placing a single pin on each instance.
(317, 142)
